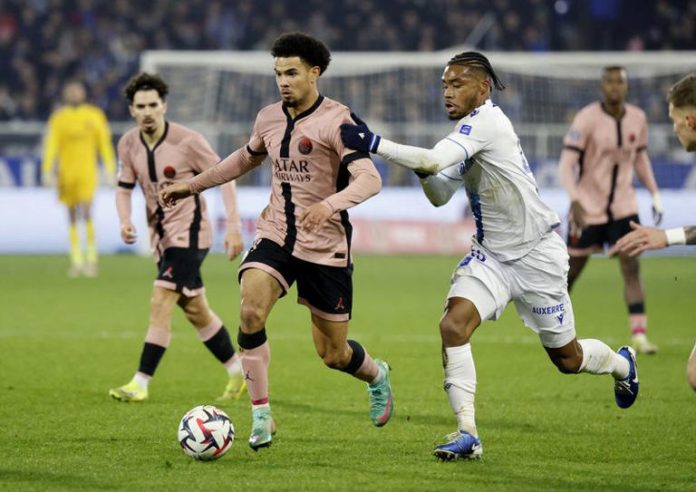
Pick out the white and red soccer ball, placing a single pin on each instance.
(206, 433)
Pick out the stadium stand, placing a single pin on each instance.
(42, 43)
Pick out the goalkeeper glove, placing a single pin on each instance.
(657, 210)
(359, 137)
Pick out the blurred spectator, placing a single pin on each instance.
(45, 42)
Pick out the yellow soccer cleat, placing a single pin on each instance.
(129, 392)
(235, 387)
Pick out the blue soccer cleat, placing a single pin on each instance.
(461, 445)
(626, 390)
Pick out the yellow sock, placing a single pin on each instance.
(75, 249)
(91, 243)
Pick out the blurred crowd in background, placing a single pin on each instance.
(45, 42)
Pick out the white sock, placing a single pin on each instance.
(460, 385)
(234, 365)
(378, 377)
(599, 358)
(142, 379)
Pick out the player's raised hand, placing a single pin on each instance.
(169, 195)
(641, 239)
(577, 219)
(234, 244)
(359, 137)
(314, 217)
(128, 233)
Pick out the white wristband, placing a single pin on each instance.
(676, 236)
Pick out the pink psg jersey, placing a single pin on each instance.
(310, 165)
(180, 154)
(607, 150)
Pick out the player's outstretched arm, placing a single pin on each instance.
(440, 188)
(445, 154)
(643, 238)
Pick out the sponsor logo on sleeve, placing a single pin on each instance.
(465, 130)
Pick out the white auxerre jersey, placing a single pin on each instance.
(510, 216)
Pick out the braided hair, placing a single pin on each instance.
(479, 62)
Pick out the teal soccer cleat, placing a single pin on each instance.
(381, 400)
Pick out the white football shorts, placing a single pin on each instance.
(537, 283)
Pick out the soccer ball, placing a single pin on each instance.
(206, 433)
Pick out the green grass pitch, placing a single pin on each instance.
(64, 343)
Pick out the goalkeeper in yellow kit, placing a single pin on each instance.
(77, 132)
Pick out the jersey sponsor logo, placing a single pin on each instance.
(465, 130)
(558, 308)
(305, 146)
(169, 172)
(291, 170)
(474, 113)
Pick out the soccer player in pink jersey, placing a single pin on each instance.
(303, 234)
(682, 111)
(155, 154)
(606, 144)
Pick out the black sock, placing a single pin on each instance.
(356, 359)
(636, 308)
(220, 345)
(251, 341)
(150, 358)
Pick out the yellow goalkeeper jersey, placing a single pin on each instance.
(76, 135)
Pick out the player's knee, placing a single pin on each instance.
(567, 365)
(336, 359)
(252, 316)
(453, 332)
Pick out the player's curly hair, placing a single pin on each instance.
(144, 81)
(479, 62)
(309, 49)
(683, 93)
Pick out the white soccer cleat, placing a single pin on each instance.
(642, 345)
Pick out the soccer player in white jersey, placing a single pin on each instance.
(515, 254)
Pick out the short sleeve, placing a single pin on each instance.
(256, 145)
(126, 173)
(202, 155)
(577, 135)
